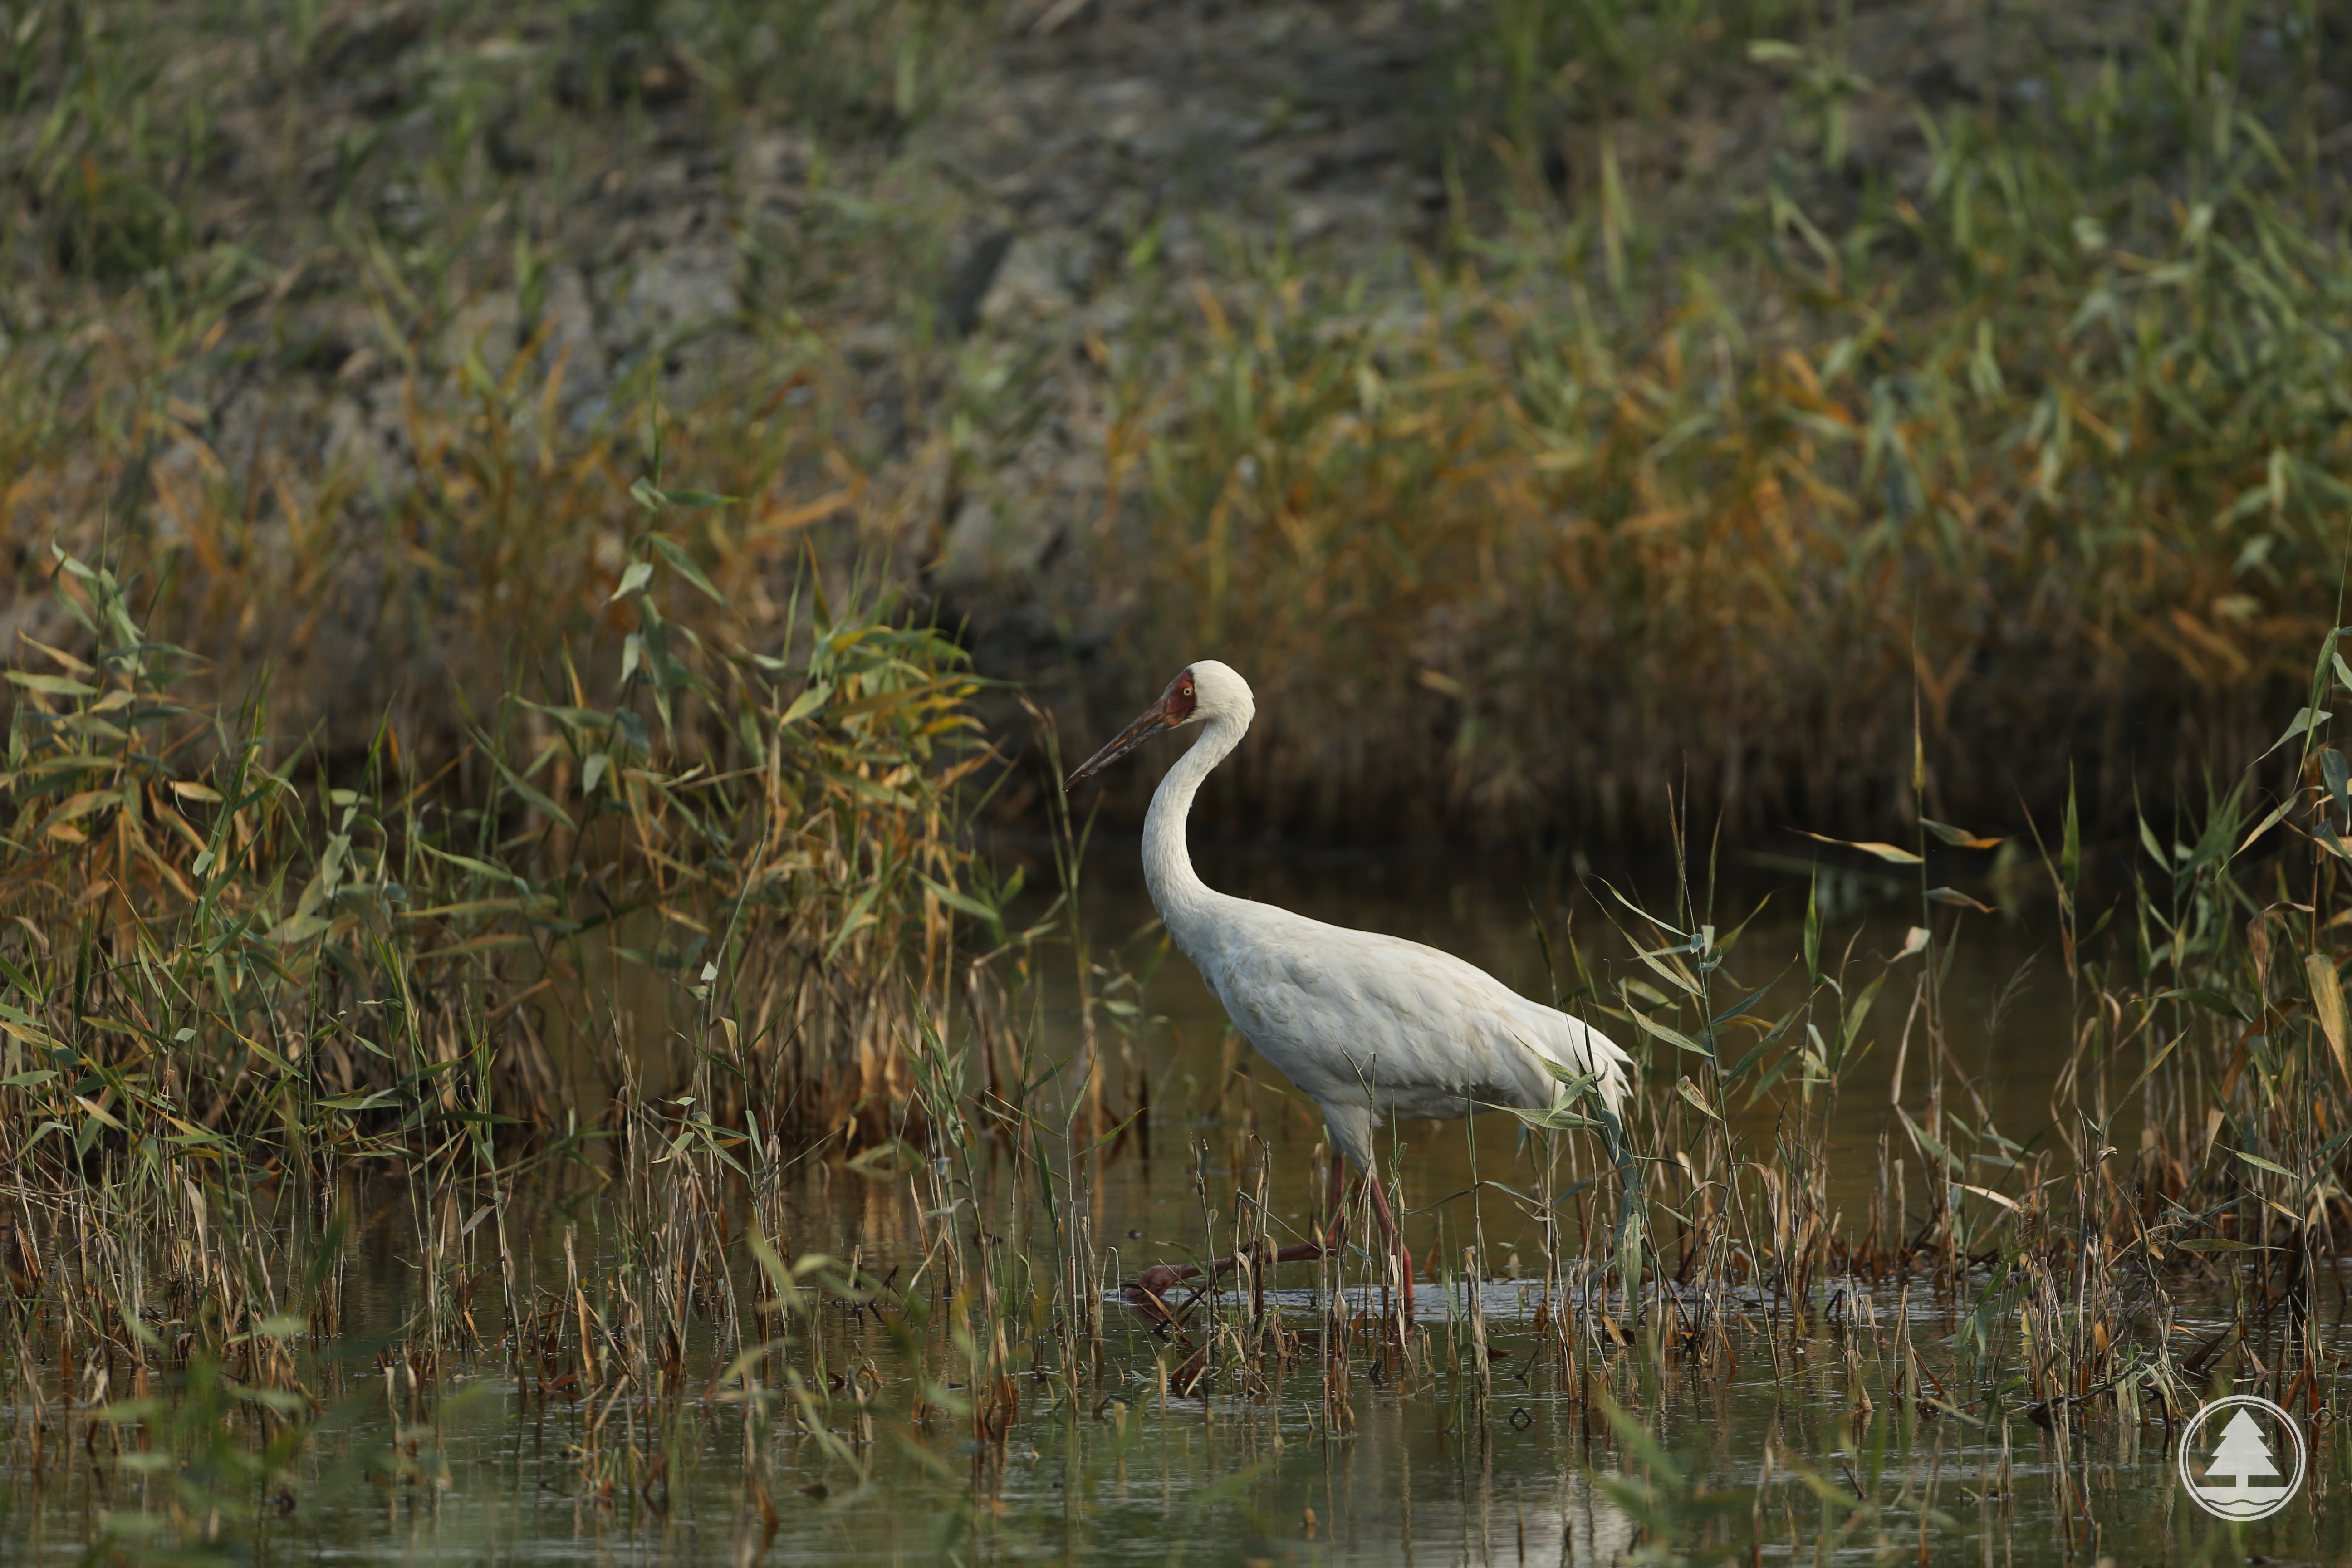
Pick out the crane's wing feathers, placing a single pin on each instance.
(1367, 1025)
(1352, 1015)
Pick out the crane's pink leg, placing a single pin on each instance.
(1335, 1211)
(1156, 1281)
(1396, 1239)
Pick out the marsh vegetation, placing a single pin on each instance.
(546, 995)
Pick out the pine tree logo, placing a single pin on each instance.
(2237, 1442)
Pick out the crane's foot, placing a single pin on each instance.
(1148, 1291)
(1155, 1282)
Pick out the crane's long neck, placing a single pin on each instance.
(1188, 905)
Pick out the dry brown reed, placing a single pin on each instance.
(2038, 425)
(691, 838)
(245, 1006)
(1995, 1283)
(2038, 428)
(1493, 569)
(211, 959)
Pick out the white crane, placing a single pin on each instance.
(1367, 1025)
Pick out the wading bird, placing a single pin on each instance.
(1367, 1025)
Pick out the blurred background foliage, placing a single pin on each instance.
(1548, 404)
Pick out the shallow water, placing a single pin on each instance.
(1428, 1472)
(1421, 1465)
(2006, 1006)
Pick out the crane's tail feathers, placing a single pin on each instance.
(1616, 1076)
(1594, 1066)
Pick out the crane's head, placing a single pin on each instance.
(1203, 692)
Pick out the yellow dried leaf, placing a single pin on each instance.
(2327, 1002)
(1888, 852)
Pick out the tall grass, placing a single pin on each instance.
(2025, 409)
(346, 407)
(460, 821)
(2037, 427)
(220, 951)
(1998, 1278)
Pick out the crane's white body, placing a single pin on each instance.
(1367, 1025)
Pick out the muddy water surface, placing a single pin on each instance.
(1798, 1446)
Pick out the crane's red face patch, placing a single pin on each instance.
(1179, 698)
(1174, 708)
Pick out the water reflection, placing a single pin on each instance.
(1832, 1426)
(1425, 1466)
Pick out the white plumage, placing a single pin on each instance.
(1367, 1025)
